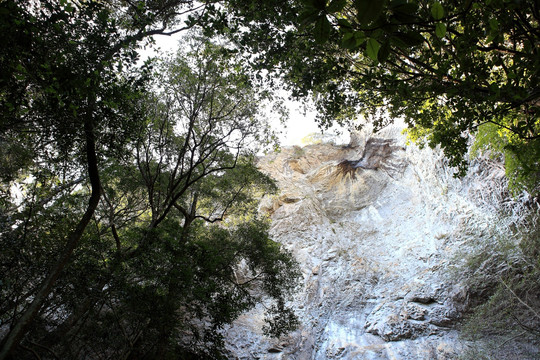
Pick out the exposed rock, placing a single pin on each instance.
(276, 349)
(381, 154)
(372, 227)
(415, 312)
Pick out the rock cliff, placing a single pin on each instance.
(376, 227)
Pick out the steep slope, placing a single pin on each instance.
(376, 227)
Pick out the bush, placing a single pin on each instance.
(503, 275)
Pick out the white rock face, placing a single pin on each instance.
(373, 227)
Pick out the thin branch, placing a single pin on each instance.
(30, 350)
(45, 348)
(520, 300)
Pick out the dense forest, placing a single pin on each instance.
(129, 192)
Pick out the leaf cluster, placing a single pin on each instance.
(445, 67)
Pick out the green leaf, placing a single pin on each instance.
(322, 30)
(336, 6)
(315, 4)
(360, 35)
(440, 30)
(353, 40)
(377, 34)
(494, 24)
(400, 18)
(409, 38)
(384, 52)
(437, 11)
(320, 4)
(308, 16)
(372, 48)
(344, 23)
(69, 8)
(404, 8)
(348, 41)
(306, 5)
(492, 36)
(368, 11)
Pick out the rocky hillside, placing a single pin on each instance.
(377, 227)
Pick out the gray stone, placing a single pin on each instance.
(374, 243)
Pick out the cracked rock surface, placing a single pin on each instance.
(375, 244)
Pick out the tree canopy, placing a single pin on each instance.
(450, 69)
(129, 192)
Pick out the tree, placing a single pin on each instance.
(74, 117)
(51, 103)
(194, 161)
(448, 68)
